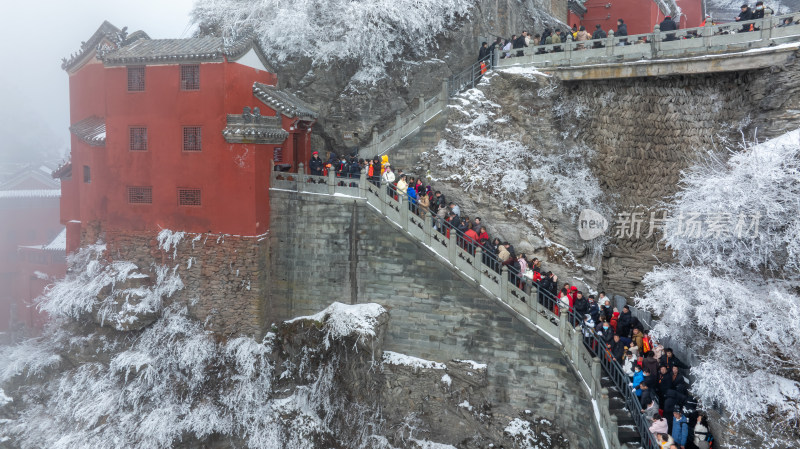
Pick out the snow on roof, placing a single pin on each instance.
(30, 194)
(91, 130)
(282, 101)
(59, 243)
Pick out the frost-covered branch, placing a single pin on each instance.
(733, 297)
(370, 33)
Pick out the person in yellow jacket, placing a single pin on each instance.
(384, 163)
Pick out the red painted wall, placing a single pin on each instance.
(641, 16)
(233, 178)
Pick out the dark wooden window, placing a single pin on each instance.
(87, 174)
(189, 197)
(191, 138)
(190, 77)
(140, 195)
(135, 79)
(138, 139)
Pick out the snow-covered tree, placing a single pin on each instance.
(732, 296)
(371, 33)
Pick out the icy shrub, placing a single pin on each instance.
(481, 159)
(371, 34)
(117, 293)
(733, 297)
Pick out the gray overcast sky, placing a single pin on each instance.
(35, 35)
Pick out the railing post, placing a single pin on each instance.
(767, 23)
(568, 48)
(707, 32)
(362, 184)
(504, 284)
(613, 431)
(495, 57)
(452, 251)
(331, 181)
(477, 262)
(300, 168)
(402, 202)
(656, 41)
(610, 43)
(398, 121)
(421, 104)
(445, 94)
(597, 373)
(427, 228)
(563, 325)
(374, 135)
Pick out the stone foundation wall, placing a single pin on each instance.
(224, 276)
(647, 130)
(326, 249)
(644, 132)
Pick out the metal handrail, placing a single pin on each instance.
(469, 77)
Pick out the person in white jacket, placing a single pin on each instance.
(388, 174)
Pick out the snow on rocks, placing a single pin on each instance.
(4, 399)
(395, 358)
(372, 34)
(473, 364)
(524, 436)
(341, 320)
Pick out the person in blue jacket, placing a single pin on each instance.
(680, 429)
(638, 377)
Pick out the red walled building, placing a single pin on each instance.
(641, 16)
(175, 133)
(30, 256)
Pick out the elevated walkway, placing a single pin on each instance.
(538, 310)
(708, 49)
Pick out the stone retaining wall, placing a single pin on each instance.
(326, 249)
(224, 276)
(647, 130)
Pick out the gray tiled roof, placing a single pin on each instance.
(254, 128)
(91, 130)
(155, 50)
(284, 102)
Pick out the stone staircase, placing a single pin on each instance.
(626, 432)
(521, 300)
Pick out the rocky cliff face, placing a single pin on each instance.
(316, 381)
(634, 136)
(349, 110)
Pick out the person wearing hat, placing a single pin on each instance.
(315, 165)
(668, 25)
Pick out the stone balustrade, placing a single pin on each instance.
(522, 300)
(707, 40)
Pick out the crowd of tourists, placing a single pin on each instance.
(657, 376)
(553, 36)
